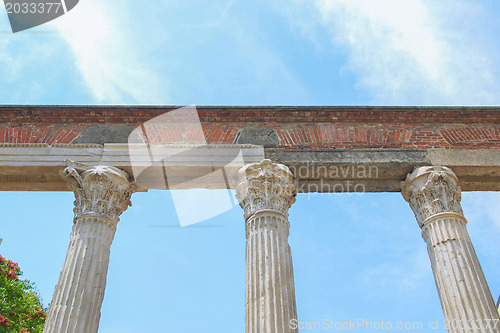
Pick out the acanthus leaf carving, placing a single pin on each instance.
(432, 190)
(102, 191)
(265, 186)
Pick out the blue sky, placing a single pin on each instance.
(355, 256)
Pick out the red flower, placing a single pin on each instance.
(4, 321)
(41, 313)
(12, 275)
(2, 260)
(12, 265)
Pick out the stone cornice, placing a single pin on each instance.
(38, 167)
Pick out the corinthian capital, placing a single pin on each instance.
(432, 190)
(265, 186)
(100, 191)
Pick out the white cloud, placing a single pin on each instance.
(401, 276)
(414, 51)
(110, 64)
(129, 55)
(489, 204)
(21, 56)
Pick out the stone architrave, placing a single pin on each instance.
(266, 191)
(434, 196)
(102, 193)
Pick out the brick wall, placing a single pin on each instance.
(137, 115)
(295, 127)
(30, 133)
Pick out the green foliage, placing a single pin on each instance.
(20, 307)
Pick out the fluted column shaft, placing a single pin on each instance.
(434, 196)
(101, 194)
(266, 191)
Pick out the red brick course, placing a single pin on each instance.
(296, 127)
(257, 114)
(420, 136)
(38, 134)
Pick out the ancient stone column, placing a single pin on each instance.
(102, 193)
(266, 191)
(434, 196)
